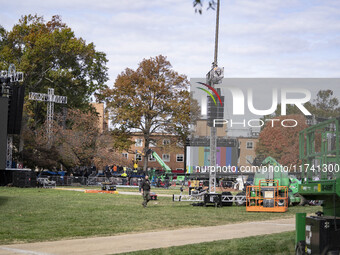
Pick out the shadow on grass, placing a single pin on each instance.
(3, 200)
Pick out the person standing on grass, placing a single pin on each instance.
(145, 187)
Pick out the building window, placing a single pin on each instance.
(179, 158)
(152, 143)
(166, 142)
(249, 159)
(139, 142)
(166, 157)
(151, 158)
(138, 157)
(125, 155)
(180, 144)
(250, 145)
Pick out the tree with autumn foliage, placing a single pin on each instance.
(107, 154)
(323, 107)
(151, 99)
(281, 143)
(51, 56)
(76, 141)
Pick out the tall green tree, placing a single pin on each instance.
(151, 99)
(51, 56)
(326, 105)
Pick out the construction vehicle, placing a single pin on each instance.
(272, 170)
(319, 151)
(152, 173)
(284, 189)
(268, 196)
(159, 160)
(271, 176)
(273, 189)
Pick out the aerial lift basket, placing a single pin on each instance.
(267, 197)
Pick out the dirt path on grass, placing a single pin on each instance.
(150, 240)
(119, 192)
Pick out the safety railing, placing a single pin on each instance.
(267, 197)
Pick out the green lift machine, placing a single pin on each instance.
(319, 150)
(166, 168)
(279, 174)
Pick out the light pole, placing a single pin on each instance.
(214, 76)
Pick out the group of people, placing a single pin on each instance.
(90, 171)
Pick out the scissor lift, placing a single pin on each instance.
(267, 197)
(319, 149)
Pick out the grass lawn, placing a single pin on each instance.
(29, 215)
(282, 243)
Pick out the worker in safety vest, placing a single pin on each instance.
(124, 174)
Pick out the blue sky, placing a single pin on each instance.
(265, 38)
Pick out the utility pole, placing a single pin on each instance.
(214, 76)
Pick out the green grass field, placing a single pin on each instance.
(29, 215)
(278, 244)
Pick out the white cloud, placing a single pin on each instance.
(291, 38)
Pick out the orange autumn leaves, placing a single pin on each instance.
(281, 143)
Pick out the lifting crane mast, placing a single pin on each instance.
(157, 157)
(159, 160)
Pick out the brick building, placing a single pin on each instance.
(201, 129)
(102, 123)
(165, 145)
(247, 147)
(236, 151)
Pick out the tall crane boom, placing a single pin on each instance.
(158, 159)
(161, 162)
